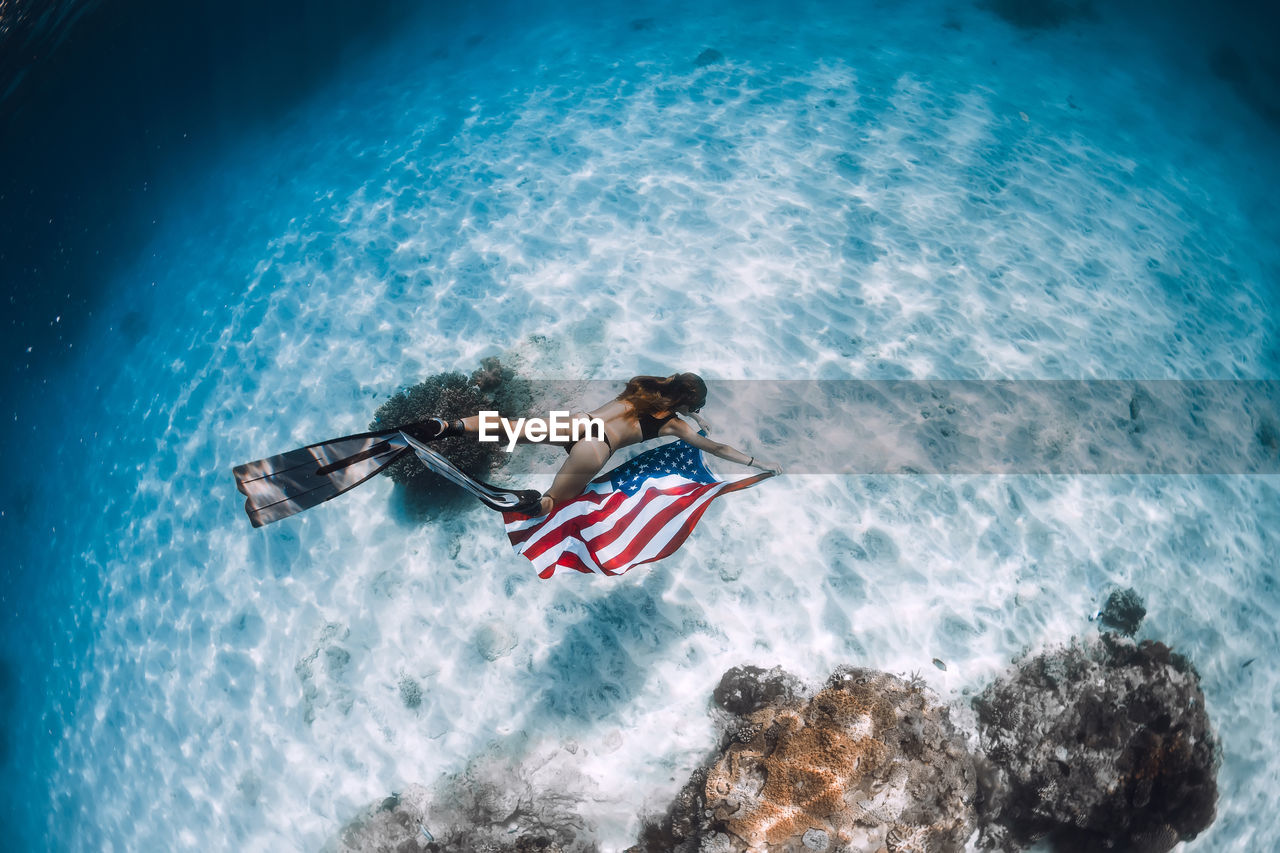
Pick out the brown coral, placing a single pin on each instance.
(844, 766)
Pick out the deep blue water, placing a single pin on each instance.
(168, 170)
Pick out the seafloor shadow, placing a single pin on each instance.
(1040, 14)
(602, 661)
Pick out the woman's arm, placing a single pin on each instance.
(685, 433)
(702, 424)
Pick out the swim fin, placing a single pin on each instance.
(525, 501)
(280, 486)
(283, 485)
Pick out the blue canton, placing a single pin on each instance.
(673, 458)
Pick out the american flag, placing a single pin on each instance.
(639, 512)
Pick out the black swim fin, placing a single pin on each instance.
(524, 501)
(283, 485)
(280, 486)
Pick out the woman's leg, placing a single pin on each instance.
(471, 426)
(575, 427)
(586, 458)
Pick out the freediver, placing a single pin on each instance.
(647, 408)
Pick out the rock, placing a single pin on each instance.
(493, 387)
(744, 690)
(396, 824)
(1105, 745)
(815, 839)
(871, 762)
(410, 692)
(710, 56)
(1123, 612)
(497, 805)
(491, 807)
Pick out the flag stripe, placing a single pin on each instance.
(667, 545)
(552, 534)
(640, 512)
(648, 506)
(659, 510)
(648, 547)
(589, 504)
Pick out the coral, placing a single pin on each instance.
(744, 690)
(870, 762)
(1123, 612)
(1105, 745)
(410, 692)
(395, 824)
(491, 807)
(452, 395)
(511, 394)
(1041, 14)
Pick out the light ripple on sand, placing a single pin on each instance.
(812, 208)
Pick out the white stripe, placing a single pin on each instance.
(609, 522)
(652, 504)
(570, 545)
(668, 532)
(655, 505)
(570, 510)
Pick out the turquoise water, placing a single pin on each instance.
(759, 191)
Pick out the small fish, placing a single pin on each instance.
(1246, 663)
(939, 664)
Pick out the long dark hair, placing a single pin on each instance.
(648, 395)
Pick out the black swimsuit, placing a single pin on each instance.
(650, 426)
(649, 429)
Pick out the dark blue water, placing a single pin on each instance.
(108, 108)
(110, 117)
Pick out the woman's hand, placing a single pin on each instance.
(702, 424)
(771, 467)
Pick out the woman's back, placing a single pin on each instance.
(624, 427)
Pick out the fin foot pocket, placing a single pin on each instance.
(530, 503)
(428, 430)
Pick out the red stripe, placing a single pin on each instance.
(681, 534)
(606, 538)
(654, 526)
(549, 537)
(542, 538)
(567, 560)
(518, 536)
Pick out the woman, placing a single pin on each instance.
(647, 408)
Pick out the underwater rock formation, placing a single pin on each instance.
(491, 807)
(493, 387)
(744, 690)
(872, 762)
(710, 56)
(1041, 14)
(1103, 746)
(394, 825)
(1123, 612)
